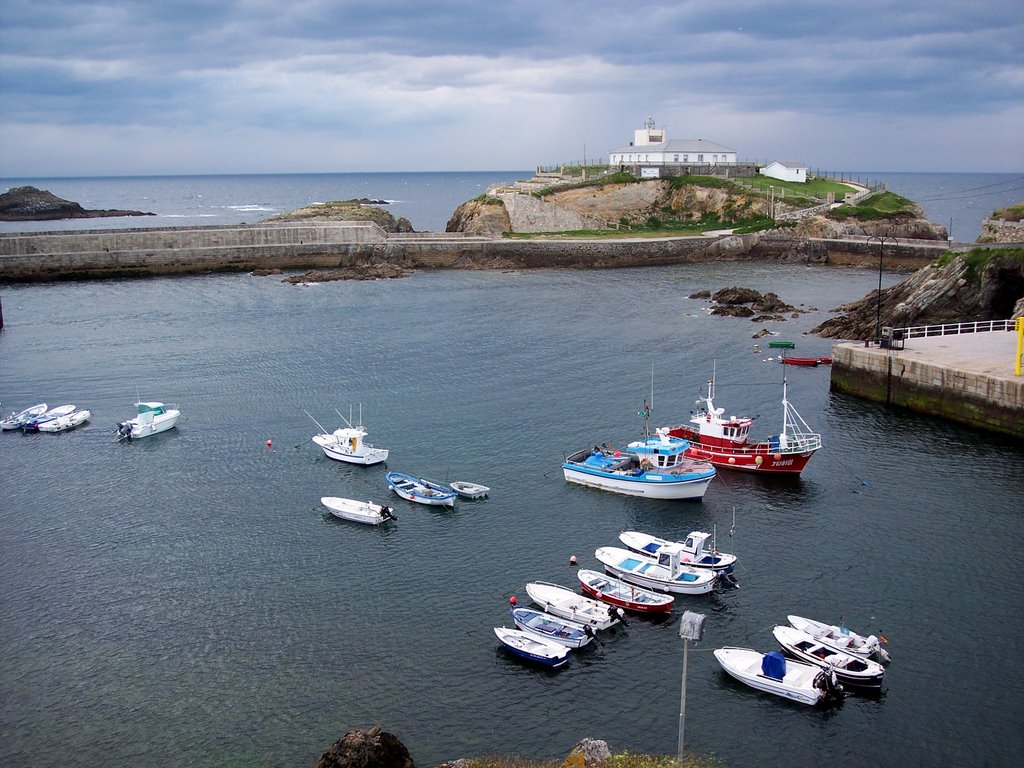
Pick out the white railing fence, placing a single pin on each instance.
(949, 329)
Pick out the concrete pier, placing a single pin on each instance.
(968, 377)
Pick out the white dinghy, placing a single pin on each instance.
(16, 420)
(469, 490)
(66, 422)
(358, 511)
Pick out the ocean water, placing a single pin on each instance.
(185, 600)
(958, 201)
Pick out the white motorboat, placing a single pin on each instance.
(842, 638)
(665, 574)
(773, 673)
(16, 420)
(561, 601)
(348, 443)
(851, 670)
(152, 419)
(66, 422)
(469, 490)
(358, 511)
(32, 424)
(693, 551)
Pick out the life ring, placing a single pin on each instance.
(709, 417)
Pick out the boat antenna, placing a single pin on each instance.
(347, 421)
(645, 414)
(317, 422)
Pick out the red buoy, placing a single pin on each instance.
(572, 560)
(512, 600)
(269, 442)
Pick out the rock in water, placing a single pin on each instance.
(31, 204)
(366, 749)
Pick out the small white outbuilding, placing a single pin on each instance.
(785, 170)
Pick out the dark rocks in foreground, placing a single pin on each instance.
(366, 749)
(31, 204)
(375, 748)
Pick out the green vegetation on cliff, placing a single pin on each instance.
(978, 258)
(622, 760)
(1010, 213)
(881, 205)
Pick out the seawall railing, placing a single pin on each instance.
(949, 329)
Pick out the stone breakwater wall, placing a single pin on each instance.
(935, 387)
(90, 254)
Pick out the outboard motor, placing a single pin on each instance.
(828, 682)
(621, 614)
(124, 429)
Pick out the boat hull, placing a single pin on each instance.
(563, 602)
(17, 420)
(64, 423)
(469, 490)
(155, 427)
(552, 628)
(743, 664)
(764, 458)
(849, 669)
(651, 485)
(420, 491)
(357, 511)
(624, 595)
(340, 451)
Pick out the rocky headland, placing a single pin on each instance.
(363, 209)
(31, 204)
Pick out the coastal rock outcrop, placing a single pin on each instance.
(371, 748)
(348, 210)
(904, 227)
(936, 294)
(32, 204)
(485, 216)
(600, 206)
(1005, 225)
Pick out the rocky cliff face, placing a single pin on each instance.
(935, 295)
(601, 207)
(31, 204)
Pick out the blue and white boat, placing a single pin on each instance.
(665, 574)
(420, 490)
(552, 628)
(33, 424)
(532, 648)
(17, 420)
(655, 467)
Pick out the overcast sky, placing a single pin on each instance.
(126, 87)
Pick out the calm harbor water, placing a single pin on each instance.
(957, 201)
(184, 600)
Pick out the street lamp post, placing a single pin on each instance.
(882, 240)
(691, 627)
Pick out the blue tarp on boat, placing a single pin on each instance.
(773, 665)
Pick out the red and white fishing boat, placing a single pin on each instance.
(724, 442)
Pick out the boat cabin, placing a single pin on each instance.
(154, 408)
(661, 452)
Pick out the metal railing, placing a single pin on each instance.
(951, 329)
